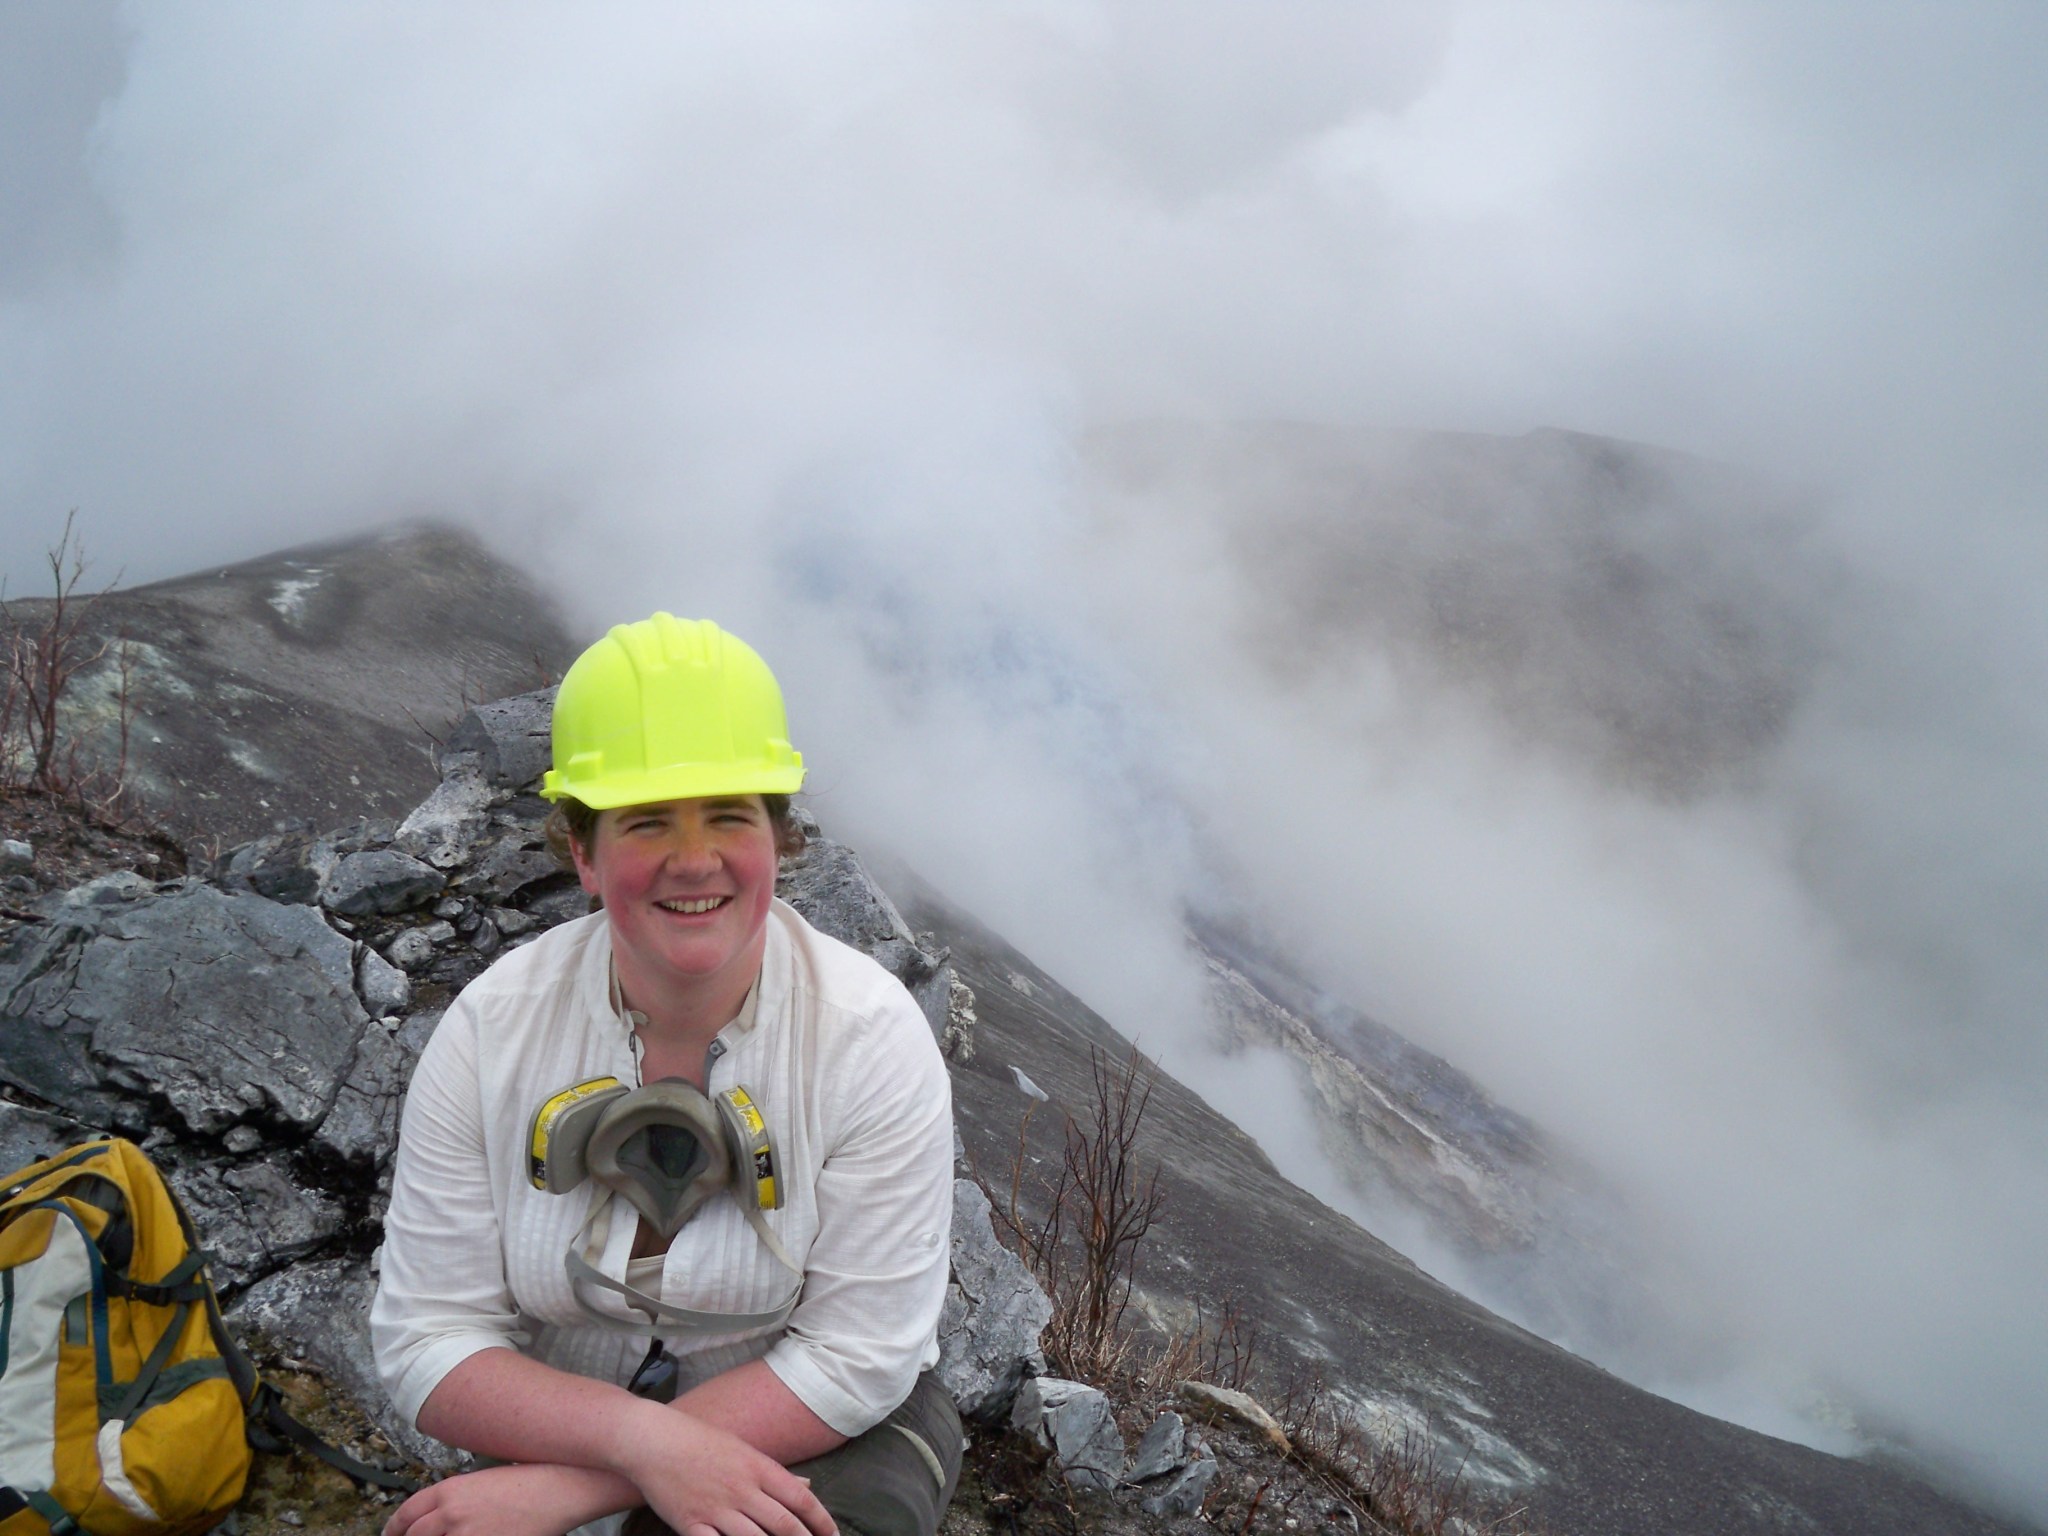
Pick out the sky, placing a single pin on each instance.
(806, 317)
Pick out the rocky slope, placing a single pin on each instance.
(269, 1088)
(308, 684)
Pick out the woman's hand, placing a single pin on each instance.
(705, 1482)
(534, 1500)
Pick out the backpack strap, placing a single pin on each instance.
(269, 1426)
(185, 1283)
(137, 1390)
(272, 1428)
(55, 1515)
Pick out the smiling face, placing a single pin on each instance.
(686, 886)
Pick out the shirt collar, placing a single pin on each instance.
(630, 1019)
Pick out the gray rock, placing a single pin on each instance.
(993, 1314)
(445, 826)
(511, 922)
(216, 1005)
(560, 905)
(1181, 1492)
(254, 1216)
(109, 890)
(380, 881)
(320, 1312)
(956, 1040)
(285, 867)
(509, 737)
(383, 987)
(836, 895)
(416, 1031)
(439, 932)
(1076, 1424)
(827, 883)
(504, 868)
(1162, 1450)
(410, 950)
(362, 1127)
(16, 857)
(21, 885)
(30, 1135)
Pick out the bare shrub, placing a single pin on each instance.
(1096, 1212)
(43, 660)
(1220, 1350)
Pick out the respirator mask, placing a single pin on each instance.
(664, 1148)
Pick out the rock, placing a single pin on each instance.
(511, 922)
(1162, 1450)
(510, 738)
(416, 1031)
(383, 987)
(445, 826)
(242, 1139)
(439, 932)
(835, 894)
(285, 867)
(1181, 1492)
(362, 1127)
(565, 902)
(320, 1312)
(380, 881)
(30, 1135)
(254, 1216)
(21, 885)
(509, 865)
(956, 1041)
(16, 857)
(993, 1314)
(214, 1005)
(1222, 1402)
(1075, 1423)
(410, 950)
(109, 890)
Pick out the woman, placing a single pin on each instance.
(519, 1288)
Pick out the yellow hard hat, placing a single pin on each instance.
(670, 709)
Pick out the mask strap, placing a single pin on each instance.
(769, 1240)
(664, 1317)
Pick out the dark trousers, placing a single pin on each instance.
(894, 1480)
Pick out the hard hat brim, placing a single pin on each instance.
(678, 781)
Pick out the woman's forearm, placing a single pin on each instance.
(593, 1444)
(751, 1401)
(501, 1404)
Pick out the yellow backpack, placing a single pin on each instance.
(126, 1409)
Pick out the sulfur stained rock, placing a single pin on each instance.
(1223, 1402)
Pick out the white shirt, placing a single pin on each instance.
(845, 1070)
